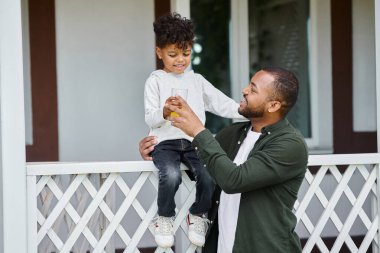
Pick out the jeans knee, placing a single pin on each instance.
(172, 177)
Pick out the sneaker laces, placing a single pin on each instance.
(164, 225)
(200, 224)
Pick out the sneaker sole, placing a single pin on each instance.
(194, 239)
(167, 244)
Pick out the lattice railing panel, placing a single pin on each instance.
(70, 209)
(83, 207)
(342, 195)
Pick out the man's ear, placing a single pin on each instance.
(159, 53)
(274, 106)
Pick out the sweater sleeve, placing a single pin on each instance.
(217, 102)
(279, 162)
(153, 110)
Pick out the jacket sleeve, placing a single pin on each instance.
(263, 168)
(153, 110)
(217, 102)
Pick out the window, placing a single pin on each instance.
(239, 37)
(211, 49)
(278, 36)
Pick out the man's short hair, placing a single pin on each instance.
(285, 87)
(171, 28)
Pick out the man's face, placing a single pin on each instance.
(175, 60)
(256, 96)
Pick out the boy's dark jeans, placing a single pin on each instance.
(167, 157)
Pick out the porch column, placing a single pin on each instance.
(239, 48)
(13, 212)
(377, 62)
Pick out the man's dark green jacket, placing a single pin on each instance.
(268, 182)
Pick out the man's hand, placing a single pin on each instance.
(170, 101)
(187, 121)
(146, 146)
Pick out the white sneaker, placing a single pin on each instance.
(197, 229)
(163, 231)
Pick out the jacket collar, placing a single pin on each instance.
(274, 127)
(265, 130)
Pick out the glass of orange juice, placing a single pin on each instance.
(178, 92)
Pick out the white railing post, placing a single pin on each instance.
(376, 249)
(32, 214)
(377, 64)
(375, 208)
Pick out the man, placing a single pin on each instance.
(258, 167)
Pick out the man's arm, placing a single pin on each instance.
(263, 168)
(154, 114)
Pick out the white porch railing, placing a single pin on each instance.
(97, 207)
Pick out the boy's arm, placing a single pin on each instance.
(153, 111)
(217, 102)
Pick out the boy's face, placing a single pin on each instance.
(175, 60)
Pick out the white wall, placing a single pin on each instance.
(364, 86)
(105, 52)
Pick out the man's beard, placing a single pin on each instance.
(257, 112)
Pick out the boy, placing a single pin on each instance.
(174, 39)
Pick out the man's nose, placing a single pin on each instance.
(245, 90)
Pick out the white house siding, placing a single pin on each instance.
(105, 52)
(363, 52)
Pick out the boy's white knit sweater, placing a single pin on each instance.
(202, 96)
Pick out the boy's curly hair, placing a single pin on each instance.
(171, 28)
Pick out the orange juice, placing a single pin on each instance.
(178, 92)
(174, 114)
